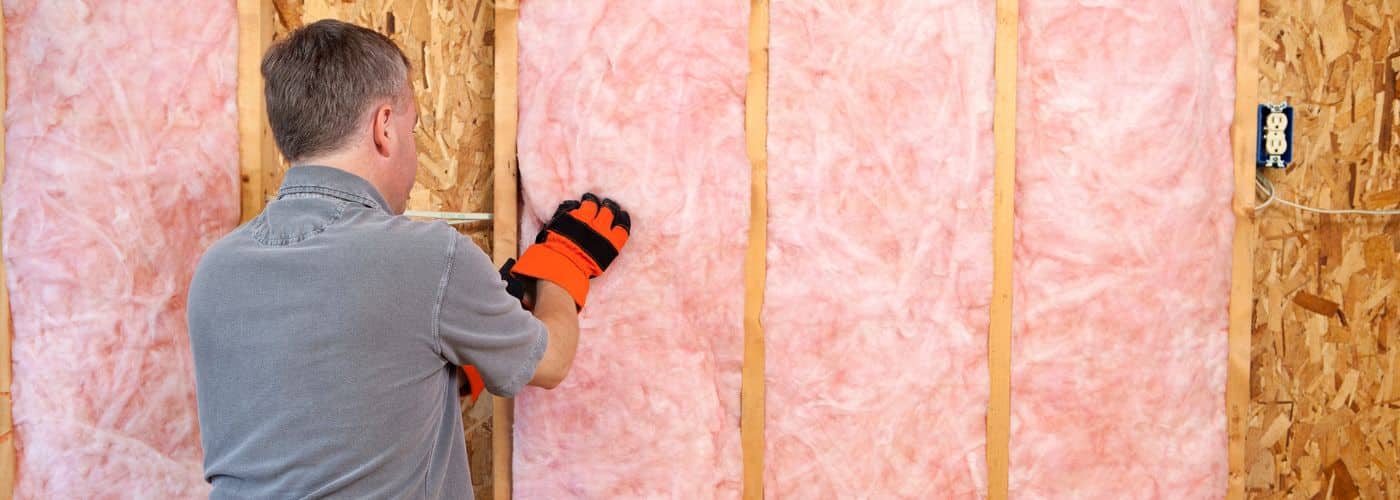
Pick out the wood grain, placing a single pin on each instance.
(1003, 233)
(1324, 409)
(7, 430)
(507, 205)
(752, 391)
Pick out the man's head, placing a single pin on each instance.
(339, 95)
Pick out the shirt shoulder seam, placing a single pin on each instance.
(441, 293)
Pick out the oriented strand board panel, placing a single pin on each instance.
(449, 44)
(1326, 344)
(879, 265)
(1123, 255)
(121, 168)
(641, 101)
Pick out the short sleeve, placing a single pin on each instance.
(478, 323)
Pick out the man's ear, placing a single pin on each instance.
(381, 129)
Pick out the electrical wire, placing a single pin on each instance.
(452, 218)
(1267, 188)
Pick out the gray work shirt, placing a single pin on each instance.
(327, 334)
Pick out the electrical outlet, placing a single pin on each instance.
(1275, 146)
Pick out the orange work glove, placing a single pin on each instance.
(474, 384)
(576, 245)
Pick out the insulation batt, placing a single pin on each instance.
(1122, 256)
(121, 167)
(641, 101)
(879, 275)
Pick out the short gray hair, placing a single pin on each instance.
(321, 79)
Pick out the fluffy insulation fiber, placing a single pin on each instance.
(641, 101)
(121, 167)
(879, 274)
(1123, 245)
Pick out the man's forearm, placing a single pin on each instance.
(556, 309)
(577, 244)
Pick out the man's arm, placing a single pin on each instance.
(555, 308)
(577, 244)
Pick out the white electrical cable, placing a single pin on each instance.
(450, 217)
(1266, 187)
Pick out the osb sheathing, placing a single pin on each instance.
(1326, 340)
(449, 44)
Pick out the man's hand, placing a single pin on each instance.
(576, 245)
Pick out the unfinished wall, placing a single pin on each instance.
(1123, 249)
(641, 101)
(894, 98)
(449, 44)
(1325, 411)
(121, 168)
(1323, 386)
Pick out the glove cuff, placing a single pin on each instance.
(541, 261)
(474, 384)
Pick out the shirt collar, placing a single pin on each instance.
(332, 182)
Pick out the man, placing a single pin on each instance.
(329, 332)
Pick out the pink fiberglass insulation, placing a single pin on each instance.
(641, 101)
(879, 271)
(1123, 244)
(121, 167)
